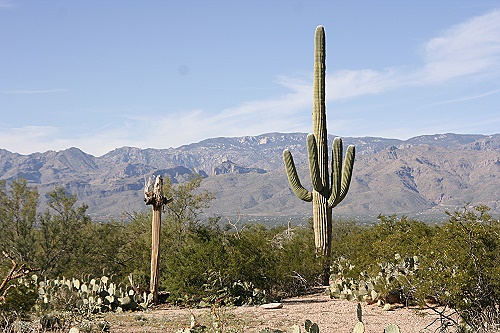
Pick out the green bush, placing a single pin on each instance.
(457, 263)
(460, 267)
(244, 267)
(367, 247)
(21, 298)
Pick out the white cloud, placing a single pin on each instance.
(469, 98)
(6, 4)
(470, 49)
(28, 139)
(32, 91)
(249, 118)
(467, 49)
(349, 84)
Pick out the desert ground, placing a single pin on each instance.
(330, 315)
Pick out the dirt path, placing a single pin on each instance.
(331, 316)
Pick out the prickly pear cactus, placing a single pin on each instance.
(311, 327)
(359, 328)
(93, 296)
(370, 288)
(391, 329)
(359, 312)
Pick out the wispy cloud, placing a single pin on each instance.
(470, 51)
(29, 139)
(471, 48)
(33, 91)
(6, 4)
(249, 118)
(347, 84)
(467, 50)
(469, 98)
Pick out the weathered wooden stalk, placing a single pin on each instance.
(153, 195)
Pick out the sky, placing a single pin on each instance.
(100, 75)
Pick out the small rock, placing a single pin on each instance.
(269, 306)
(74, 330)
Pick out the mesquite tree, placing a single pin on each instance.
(328, 189)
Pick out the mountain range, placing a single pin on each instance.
(421, 177)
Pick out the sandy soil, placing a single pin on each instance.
(330, 315)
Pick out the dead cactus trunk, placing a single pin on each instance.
(153, 195)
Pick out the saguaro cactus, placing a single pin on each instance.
(328, 189)
(153, 195)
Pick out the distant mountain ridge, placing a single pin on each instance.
(421, 176)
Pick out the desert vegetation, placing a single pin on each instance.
(60, 270)
(70, 269)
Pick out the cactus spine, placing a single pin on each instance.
(328, 189)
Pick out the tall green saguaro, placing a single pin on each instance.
(329, 189)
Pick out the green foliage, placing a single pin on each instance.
(188, 203)
(18, 220)
(62, 235)
(238, 293)
(63, 240)
(133, 248)
(20, 299)
(461, 266)
(107, 249)
(240, 268)
(199, 261)
(367, 247)
(455, 264)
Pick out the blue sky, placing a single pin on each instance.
(99, 75)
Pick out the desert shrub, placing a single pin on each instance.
(214, 264)
(61, 236)
(18, 220)
(20, 299)
(185, 260)
(457, 263)
(280, 260)
(18, 303)
(366, 247)
(460, 268)
(297, 266)
(344, 232)
(18, 293)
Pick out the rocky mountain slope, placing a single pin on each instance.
(422, 176)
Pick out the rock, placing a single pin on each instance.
(74, 330)
(387, 307)
(270, 306)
